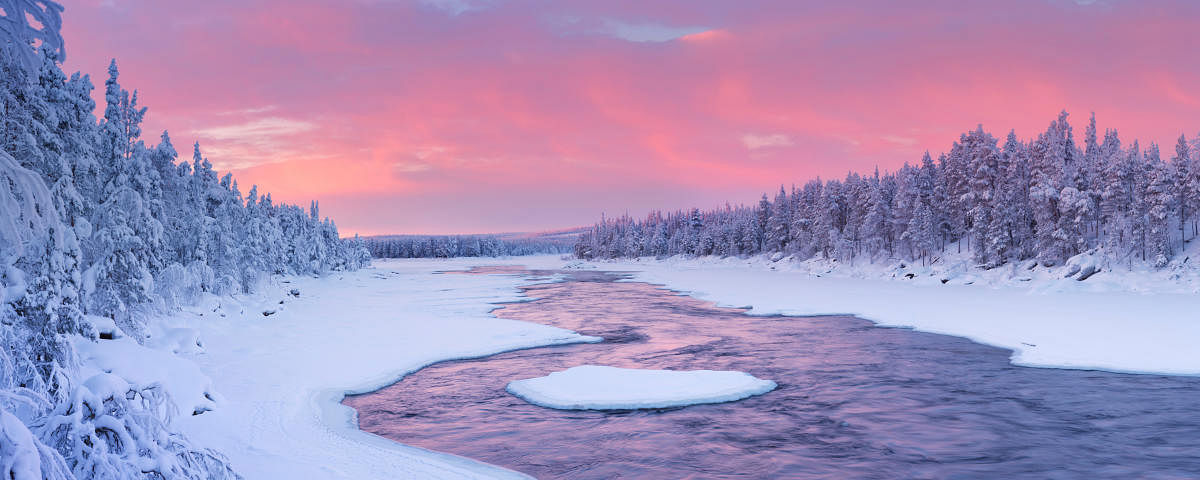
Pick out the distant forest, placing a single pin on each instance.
(446, 246)
(1047, 199)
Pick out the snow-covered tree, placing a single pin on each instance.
(91, 218)
(1046, 199)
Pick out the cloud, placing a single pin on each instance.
(754, 141)
(646, 31)
(411, 167)
(251, 111)
(705, 36)
(256, 142)
(899, 140)
(257, 129)
(504, 99)
(630, 31)
(457, 7)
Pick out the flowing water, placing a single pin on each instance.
(854, 401)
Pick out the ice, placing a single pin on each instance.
(1120, 320)
(283, 377)
(596, 387)
(276, 382)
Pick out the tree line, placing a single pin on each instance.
(447, 246)
(1046, 199)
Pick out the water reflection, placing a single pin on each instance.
(853, 401)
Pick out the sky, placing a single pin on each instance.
(472, 116)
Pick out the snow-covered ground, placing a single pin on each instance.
(1140, 321)
(266, 377)
(274, 382)
(597, 387)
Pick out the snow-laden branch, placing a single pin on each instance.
(27, 25)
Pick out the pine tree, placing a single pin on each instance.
(1049, 158)
(1181, 165)
(778, 219)
(876, 219)
(1158, 202)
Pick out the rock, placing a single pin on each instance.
(267, 313)
(295, 292)
(1087, 272)
(106, 327)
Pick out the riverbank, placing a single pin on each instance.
(271, 374)
(271, 368)
(851, 400)
(1121, 321)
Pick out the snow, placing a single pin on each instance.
(23, 457)
(190, 388)
(281, 378)
(272, 385)
(21, 460)
(1120, 320)
(596, 387)
(16, 27)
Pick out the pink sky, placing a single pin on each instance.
(466, 116)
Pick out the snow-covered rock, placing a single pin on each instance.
(595, 387)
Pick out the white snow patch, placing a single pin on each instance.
(595, 387)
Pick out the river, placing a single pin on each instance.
(854, 400)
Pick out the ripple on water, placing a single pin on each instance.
(853, 400)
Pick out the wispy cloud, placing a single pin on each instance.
(251, 111)
(457, 7)
(257, 129)
(646, 31)
(507, 101)
(705, 36)
(754, 141)
(411, 167)
(630, 31)
(899, 140)
(255, 142)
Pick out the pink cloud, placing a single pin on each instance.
(406, 117)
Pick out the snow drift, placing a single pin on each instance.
(595, 387)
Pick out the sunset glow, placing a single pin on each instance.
(461, 116)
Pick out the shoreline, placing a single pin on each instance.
(1047, 324)
(309, 431)
(280, 379)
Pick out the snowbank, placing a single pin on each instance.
(190, 389)
(282, 376)
(274, 382)
(594, 387)
(1116, 320)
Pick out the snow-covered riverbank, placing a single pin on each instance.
(274, 382)
(277, 379)
(1112, 321)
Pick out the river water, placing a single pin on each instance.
(854, 400)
